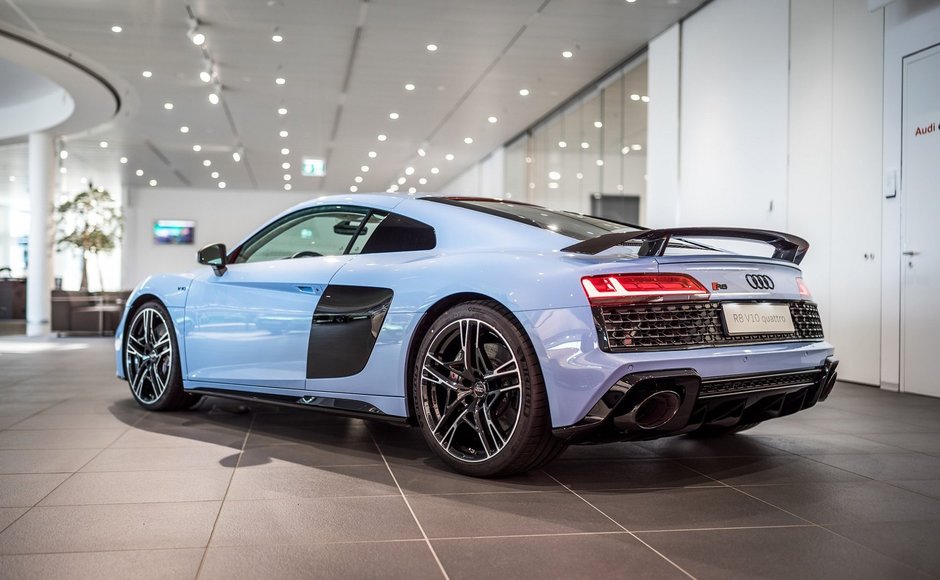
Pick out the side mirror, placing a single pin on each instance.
(213, 255)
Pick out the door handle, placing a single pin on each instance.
(909, 253)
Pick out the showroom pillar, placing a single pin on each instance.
(39, 270)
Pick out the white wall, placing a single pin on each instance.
(221, 215)
(483, 179)
(662, 149)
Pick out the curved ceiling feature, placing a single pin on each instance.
(45, 88)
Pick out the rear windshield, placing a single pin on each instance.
(573, 225)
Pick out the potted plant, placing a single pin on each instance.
(89, 222)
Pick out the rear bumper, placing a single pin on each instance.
(700, 402)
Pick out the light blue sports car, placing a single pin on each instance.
(504, 331)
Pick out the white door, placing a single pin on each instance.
(920, 216)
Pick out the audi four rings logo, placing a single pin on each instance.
(760, 281)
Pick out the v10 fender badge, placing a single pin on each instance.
(719, 286)
(760, 281)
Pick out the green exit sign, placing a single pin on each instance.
(311, 167)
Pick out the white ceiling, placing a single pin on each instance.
(346, 63)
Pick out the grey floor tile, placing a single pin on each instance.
(431, 476)
(281, 482)
(928, 487)
(141, 487)
(595, 556)
(885, 467)
(385, 560)
(687, 508)
(24, 490)
(739, 446)
(137, 564)
(58, 438)
(164, 459)
(117, 405)
(803, 552)
(313, 521)
(768, 470)
(653, 473)
(831, 443)
(311, 454)
(622, 450)
(9, 515)
(919, 442)
(44, 461)
(838, 503)
(74, 421)
(914, 543)
(509, 514)
(140, 438)
(110, 527)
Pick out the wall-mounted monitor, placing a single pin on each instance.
(174, 232)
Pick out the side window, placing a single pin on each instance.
(308, 233)
(398, 233)
(370, 227)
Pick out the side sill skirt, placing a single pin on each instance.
(334, 406)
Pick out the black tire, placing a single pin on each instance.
(711, 432)
(151, 360)
(483, 427)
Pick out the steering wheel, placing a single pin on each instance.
(306, 254)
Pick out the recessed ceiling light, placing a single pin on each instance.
(409, 87)
(524, 92)
(168, 106)
(103, 144)
(373, 154)
(598, 124)
(528, 159)
(393, 116)
(579, 175)
(412, 190)
(139, 173)
(449, 157)
(422, 152)
(492, 119)
(435, 170)
(634, 97)
(468, 140)
(625, 150)
(353, 188)
(64, 154)
(409, 171)
(285, 165)
(382, 137)
(63, 170)
(116, 28)
(280, 80)
(552, 185)
(146, 74)
(562, 144)
(236, 156)
(431, 47)
(198, 38)
(285, 151)
(84, 180)
(222, 185)
(567, 54)
(645, 99)
(358, 179)
(585, 145)
(630, 1)
(214, 175)
(401, 180)
(153, 183)
(184, 129)
(123, 160)
(554, 175)
(423, 180)
(214, 98)
(282, 111)
(287, 177)
(392, 188)
(600, 162)
(206, 162)
(205, 76)
(287, 187)
(197, 148)
(636, 147)
(277, 37)
(12, 178)
(283, 133)
(364, 169)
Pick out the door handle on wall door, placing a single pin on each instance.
(909, 253)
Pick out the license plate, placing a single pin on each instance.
(757, 319)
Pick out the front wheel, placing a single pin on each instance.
(479, 395)
(151, 361)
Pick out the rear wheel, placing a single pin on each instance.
(151, 360)
(479, 395)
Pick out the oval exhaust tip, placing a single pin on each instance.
(657, 409)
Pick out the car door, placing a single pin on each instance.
(251, 324)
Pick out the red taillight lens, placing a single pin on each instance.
(639, 287)
(804, 290)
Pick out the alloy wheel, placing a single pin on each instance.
(148, 355)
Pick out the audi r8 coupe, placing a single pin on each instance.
(503, 331)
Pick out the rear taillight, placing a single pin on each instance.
(614, 288)
(804, 290)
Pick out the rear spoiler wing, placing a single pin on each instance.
(654, 242)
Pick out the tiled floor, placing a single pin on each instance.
(93, 487)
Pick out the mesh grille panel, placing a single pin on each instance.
(757, 383)
(689, 325)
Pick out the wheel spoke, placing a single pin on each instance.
(434, 377)
(493, 428)
(448, 438)
(449, 410)
(138, 380)
(478, 427)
